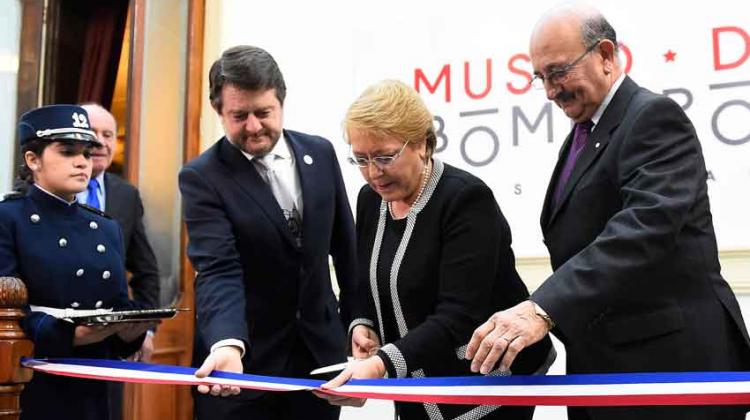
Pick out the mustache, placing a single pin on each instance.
(564, 95)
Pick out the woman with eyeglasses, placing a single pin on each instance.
(434, 257)
(70, 257)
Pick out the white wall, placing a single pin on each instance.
(329, 51)
(162, 107)
(10, 29)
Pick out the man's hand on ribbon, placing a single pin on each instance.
(504, 335)
(227, 359)
(369, 368)
(365, 342)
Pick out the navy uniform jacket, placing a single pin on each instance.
(68, 257)
(253, 282)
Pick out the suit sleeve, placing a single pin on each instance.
(660, 172)
(471, 239)
(140, 261)
(219, 285)
(343, 247)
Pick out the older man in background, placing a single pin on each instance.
(122, 201)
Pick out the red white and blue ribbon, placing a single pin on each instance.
(694, 388)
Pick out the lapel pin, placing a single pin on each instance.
(308, 159)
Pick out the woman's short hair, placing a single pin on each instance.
(390, 108)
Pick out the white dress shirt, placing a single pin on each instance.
(607, 99)
(286, 170)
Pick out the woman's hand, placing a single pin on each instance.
(370, 368)
(90, 334)
(129, 331)
(365, 342)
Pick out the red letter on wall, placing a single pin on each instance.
(718, 65)
(625, 50)
(521, 72)
(487, 85)
(445, 74)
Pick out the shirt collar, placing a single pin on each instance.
(607, 99)
(281, 150)
(100, 179)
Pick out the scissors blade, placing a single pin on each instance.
(330, 368)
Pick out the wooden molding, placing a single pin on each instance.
(135, 89)
(193, 82)
(28, 84)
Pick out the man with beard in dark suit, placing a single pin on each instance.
(636, 285)
(265, 207)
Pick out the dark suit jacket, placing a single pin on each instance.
(123, 203)
(458, 269)
(636, 284)
(253, 283)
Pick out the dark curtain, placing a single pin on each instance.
(102, 45)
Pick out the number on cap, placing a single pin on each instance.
(80, 121)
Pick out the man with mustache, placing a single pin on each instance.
(121, 200)
(636, 285)
(265, 207)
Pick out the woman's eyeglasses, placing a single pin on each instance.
(379, 161)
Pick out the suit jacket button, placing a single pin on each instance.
(62, 242)
(93, 225)
(34, 218)
(101, 248)
(106, 275)
(79, 272)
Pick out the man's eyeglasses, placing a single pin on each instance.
(379, 161)
(556, 77)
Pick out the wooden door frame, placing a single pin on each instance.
(184, 324)
(30, 62)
